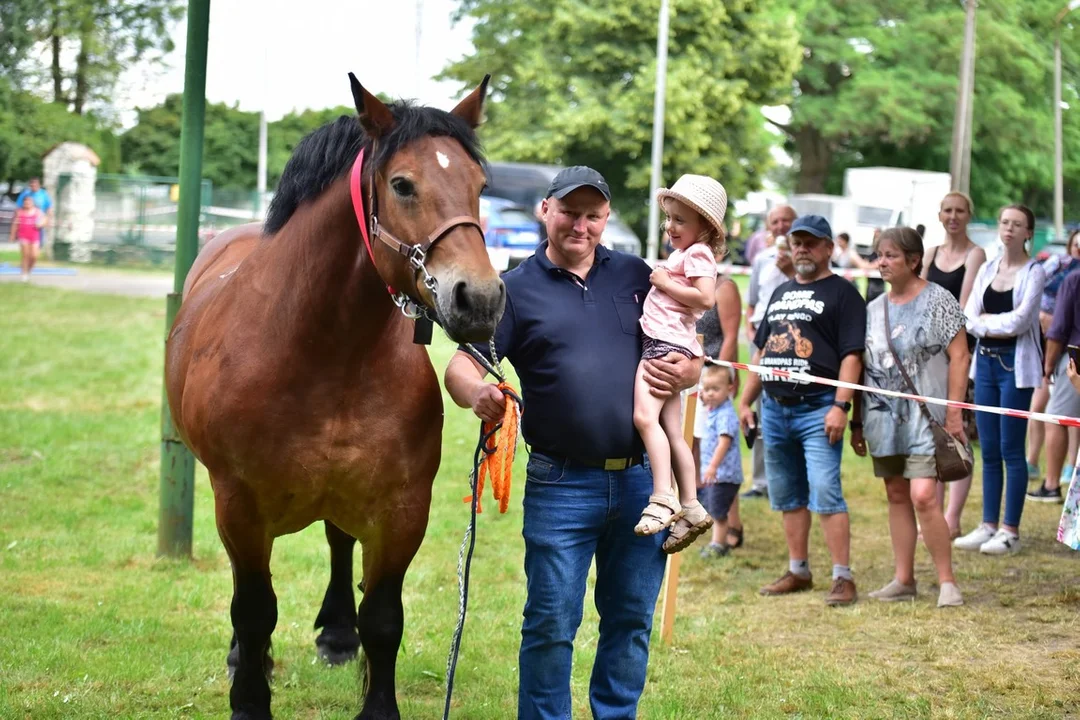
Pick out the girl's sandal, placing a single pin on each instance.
(661, 512)
(690, 525)
(737, 533)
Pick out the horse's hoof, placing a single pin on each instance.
(249, 715)
(337, 646)
(385, 714)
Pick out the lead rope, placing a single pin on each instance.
(468, 542)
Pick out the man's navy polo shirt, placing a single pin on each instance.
(576, 347)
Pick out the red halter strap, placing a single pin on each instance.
(355, 189)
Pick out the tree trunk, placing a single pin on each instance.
(57, 73)
(81, 62)
(815, 155)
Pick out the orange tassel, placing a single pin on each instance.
(498, 463)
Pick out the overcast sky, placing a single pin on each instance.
(281, 55)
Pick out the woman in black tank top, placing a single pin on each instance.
(958, 258)
(949, 265)
(953, 281)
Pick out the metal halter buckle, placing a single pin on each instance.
(408, 308)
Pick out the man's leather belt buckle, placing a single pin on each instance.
(617, 463)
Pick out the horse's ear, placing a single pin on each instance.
(374, 115)
(471, 108)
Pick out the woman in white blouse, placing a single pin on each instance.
(1003, 313)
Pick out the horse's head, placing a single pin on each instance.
(423, 187)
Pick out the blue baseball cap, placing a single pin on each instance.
(813, 224)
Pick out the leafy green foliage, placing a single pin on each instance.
(88, 43)
(231, 137)
(16, 36)
(282, 136)
(29, 127)
(573, 83)
(878, 86)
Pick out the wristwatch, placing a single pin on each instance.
(845, 406)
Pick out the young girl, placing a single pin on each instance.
(26, 229)
(683, 289)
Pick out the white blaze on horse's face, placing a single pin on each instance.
(444, 161)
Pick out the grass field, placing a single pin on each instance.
(92, 625)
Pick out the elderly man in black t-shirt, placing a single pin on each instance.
(815, 324)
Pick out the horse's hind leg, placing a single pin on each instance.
(381, 616)
(254, 606)
(339, 641)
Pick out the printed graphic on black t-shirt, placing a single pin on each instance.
(810, 329)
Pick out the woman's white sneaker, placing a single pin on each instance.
(975, 539)
(1003, 543)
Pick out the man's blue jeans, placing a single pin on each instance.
(1001, 437)
(803, 466)
(573, 513)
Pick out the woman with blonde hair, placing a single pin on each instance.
(954, 265)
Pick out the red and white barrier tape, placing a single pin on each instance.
(727, 269)
(803, 377)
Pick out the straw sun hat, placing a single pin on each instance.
(703, 194)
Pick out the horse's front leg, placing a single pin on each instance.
(381, 616)
(339, 641)
(254, 605)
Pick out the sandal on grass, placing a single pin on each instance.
(737, 533)
(688, 527)
(661, 512)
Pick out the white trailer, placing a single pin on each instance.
(915, 194)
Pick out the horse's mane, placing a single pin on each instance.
(327, 153)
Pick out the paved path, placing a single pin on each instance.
(103, 281)
(91, 278)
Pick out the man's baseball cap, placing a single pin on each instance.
(812, 224)
(579, 176)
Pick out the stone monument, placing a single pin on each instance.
(70, 171)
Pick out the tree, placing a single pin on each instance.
(30, 127)
(230, 149)
(106, 36)
(878, 86)
(573, 83)
(16, 36)
(283, 136)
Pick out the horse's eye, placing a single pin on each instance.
(403, 188)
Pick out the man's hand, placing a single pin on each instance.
(746, 417)
(858, 444)
(489, 403)
(1074, 376)
(835, 421)
(954, 424)
(671, 374)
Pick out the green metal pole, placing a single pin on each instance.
(177, 463)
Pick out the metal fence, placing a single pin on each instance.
(132, 219)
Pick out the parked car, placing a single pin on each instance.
(7, 215)
(526, 184)
(511, 231)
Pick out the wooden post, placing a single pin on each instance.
(674, 562)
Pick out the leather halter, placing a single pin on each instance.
(415, 254)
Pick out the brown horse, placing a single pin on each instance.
(293, 377)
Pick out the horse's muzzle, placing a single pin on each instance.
(470, 310)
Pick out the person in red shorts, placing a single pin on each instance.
(26, 229)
